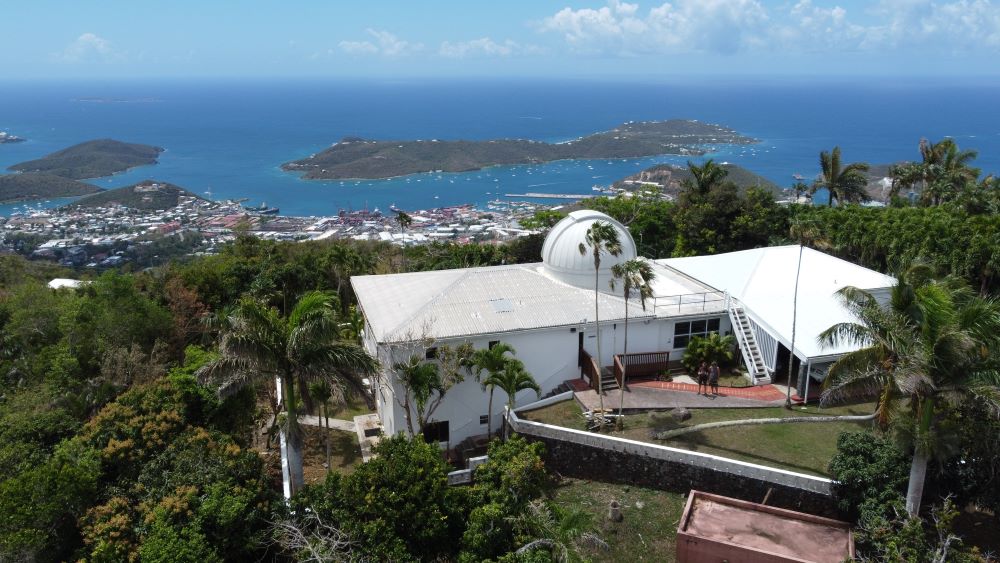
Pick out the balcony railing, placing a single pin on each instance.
(643, 364)
(691, 302)
(588, 369)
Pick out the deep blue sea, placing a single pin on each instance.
(231, 137)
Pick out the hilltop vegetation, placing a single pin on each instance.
(92, 159)
(355, 157)
(670, 178)
(146, 195)
(25, 187)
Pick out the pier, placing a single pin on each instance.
(538, 195)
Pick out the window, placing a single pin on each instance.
(484, 419)
(494, 343)
(435, 432)
(431, 353)
(684, 331)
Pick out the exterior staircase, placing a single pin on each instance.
(748, 345)
(608, 381)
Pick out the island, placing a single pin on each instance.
(668, 178)
(148, 195)
(92, 159)
(26, 187)
(358, 158)
(6, 137)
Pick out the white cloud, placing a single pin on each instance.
(88, 47)
(484, 46)
(721, 26)
(732, 26)
(382, 43)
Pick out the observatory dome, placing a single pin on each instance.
(561, 252)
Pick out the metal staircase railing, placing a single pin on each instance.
(748, 343)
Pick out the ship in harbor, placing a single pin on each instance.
(263, 209)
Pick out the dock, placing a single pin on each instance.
(538, 195)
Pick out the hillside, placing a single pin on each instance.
(92, 159)
(146, 195)
(26, 187)
(354, 157)
(670, 176)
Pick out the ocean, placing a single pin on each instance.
(230, 137)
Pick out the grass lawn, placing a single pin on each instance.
(649, 526)
(806, 448)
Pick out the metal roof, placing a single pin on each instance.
(489, 300)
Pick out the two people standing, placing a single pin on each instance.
(708, 375)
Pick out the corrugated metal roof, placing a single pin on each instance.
(455, 303)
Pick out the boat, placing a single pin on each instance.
(263, 209)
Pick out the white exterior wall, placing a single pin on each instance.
(550, 355)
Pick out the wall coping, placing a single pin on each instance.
(774, 475)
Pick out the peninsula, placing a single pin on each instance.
(26, 187)
(668, 177)
(148, 195)
(354, 157)
(92, 159)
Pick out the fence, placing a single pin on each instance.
(591, 373)
(643, 364)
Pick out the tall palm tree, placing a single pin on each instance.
(933, 347)
(844, 183)
(321, 393)
(492, 361)
(511, 379)
(601, 238)
(635, 275)
(258, 344)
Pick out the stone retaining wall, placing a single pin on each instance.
(588, 455)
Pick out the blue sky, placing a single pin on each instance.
(53, 39)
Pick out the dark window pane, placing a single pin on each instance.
(493, 343)
(697, 327)
(713, 325)
(431, 353)
(681, 341)
(436, 432)
(682, 328)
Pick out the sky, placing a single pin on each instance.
(64, 39)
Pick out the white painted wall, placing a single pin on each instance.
(550, 355)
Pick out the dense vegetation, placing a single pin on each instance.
(114, 446)
(671, 176)
(354, 157)
(24, 187)
(92, 159)
(145, 195)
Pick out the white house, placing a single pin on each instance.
(545, 311)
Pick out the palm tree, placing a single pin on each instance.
(421, 379)
(321, 392)
(706, 176)
(602, 237)
(258, 344)
(635, 274)
(932, 348)
(492, 361)
(511, 379)
(845, 183)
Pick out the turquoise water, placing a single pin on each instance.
(231, 137)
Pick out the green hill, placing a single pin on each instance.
(92, 159)
(670, 176)
(354, 157)
(146, 195)
(26, 187)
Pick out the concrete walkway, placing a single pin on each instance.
(335, 423)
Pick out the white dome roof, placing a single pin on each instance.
(561, 251)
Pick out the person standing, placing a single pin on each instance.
(703, 378)
(713, 378)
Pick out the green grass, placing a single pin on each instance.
(648, 529)
(345, 453)
(805, 448)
